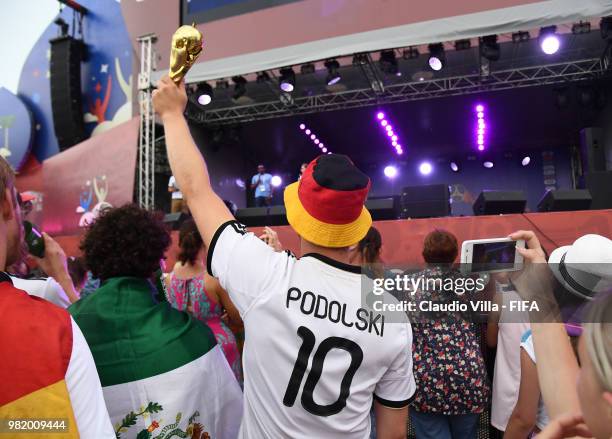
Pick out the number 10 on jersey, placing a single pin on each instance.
(301, 364)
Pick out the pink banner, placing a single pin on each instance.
(83, 180)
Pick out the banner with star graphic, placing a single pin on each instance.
(89, 177)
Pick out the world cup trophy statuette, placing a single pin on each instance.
(187, 44)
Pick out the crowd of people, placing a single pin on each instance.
(132, 360)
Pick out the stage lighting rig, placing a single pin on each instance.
(489, 48)
(202, 95)
(287, 79)
(263, 77)
(410, 53)
(463, 44)
(307, 68)
(437, 57)
(388, 62)
(549, 40)
(222, 84)
(239, 87)
(583, 27)
(333, 76)
(520, 37)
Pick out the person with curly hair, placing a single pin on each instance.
(156, 364)
(191, 289)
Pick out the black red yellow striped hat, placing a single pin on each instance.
(326, 207)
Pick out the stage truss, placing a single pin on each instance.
(410, 91)
(146, 143)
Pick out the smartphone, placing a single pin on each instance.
(491, 255)
(34, 239)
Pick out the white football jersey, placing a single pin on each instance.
(314, 357)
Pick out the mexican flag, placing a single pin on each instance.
(162, 372)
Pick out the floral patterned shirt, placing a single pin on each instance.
(448, 364)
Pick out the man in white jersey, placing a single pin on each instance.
(315, 357)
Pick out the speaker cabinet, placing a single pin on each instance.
(262, 216)
(176, 220)
(66, 99)
(499, 202)
(382, 208)
(428, 201)
(564, 200)
(592, 151)
(599, 185)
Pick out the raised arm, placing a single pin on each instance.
(556, 359)
(187, 164)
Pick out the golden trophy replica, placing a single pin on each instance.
(186, 47)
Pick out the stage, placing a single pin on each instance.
(403, 239)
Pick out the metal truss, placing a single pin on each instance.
(411, 91)
(146, 143)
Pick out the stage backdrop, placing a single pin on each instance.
(88, 177)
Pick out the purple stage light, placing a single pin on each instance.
(488, 164)
(390, 171)
(312, 137)
(435, 63)
(204, 99)
(276, 181)
(454, 166)
(526, 160)
(550, 44)
(400, 152)
(388, 130)
(324, 150)
(425, 168)
(480, 126)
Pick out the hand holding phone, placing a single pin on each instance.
(34, 240)
(492, 255)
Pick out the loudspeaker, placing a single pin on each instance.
(599, 185)
(425, 201)
(382, 208)
(175, 220)
(262, 216)
(498, 202)
(65, 80)
(592, 150)
(564, 200)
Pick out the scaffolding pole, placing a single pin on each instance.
(146, 144)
